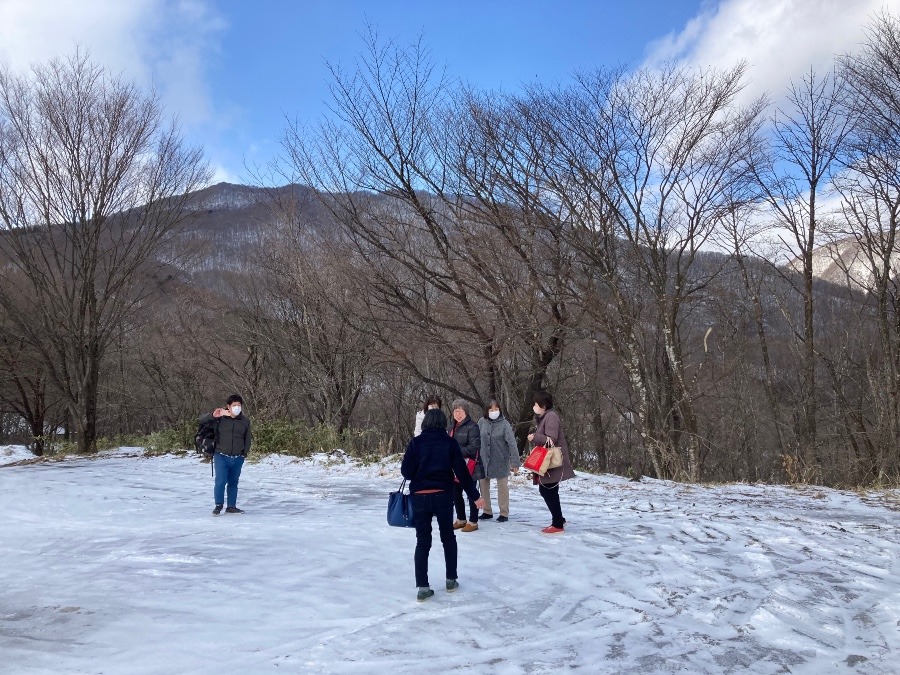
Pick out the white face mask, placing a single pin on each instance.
(538, 410)
(236, 410)
(494, 414)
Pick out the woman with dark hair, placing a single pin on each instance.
(431, 461)
(499, 456)
(431, 403)
(550, 432)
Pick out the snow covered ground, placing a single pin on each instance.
(115, 565)
(10, 454)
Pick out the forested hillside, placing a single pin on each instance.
(646, 245)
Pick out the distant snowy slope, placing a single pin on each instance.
(115, 565)
(845, 262)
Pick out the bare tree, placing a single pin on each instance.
(309, 317)
(24, 386)
(808, 145)
(456, 266)
(93, 185)
(648, 166)
(496, 151)
(870, 191)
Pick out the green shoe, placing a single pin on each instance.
(452, 585)
(424, 594)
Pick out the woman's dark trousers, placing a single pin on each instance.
(440, 506)
(461, 505)
(550, 493)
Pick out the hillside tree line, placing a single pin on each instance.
(645, 244)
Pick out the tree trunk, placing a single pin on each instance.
(37, 435)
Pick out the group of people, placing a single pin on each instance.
(444, 460)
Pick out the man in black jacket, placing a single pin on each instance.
(233, 440)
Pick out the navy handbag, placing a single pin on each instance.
(400, 510)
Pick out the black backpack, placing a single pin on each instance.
(205, 438)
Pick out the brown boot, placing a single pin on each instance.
(470, 527)
(457, 524)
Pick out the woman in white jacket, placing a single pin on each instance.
(499, 456)
(431, 403)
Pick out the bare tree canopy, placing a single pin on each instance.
(708, 285)
(93, 183)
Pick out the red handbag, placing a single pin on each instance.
(542, 459)
(537, 460)
(470, 465)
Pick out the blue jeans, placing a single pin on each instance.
(438, 505)
(228, 472)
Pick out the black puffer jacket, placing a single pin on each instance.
(233, 436)
(468, 435)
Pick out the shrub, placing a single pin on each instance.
(269, 437)
(167, 441)
(291, 438)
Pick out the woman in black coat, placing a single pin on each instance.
(431, 461)
(466, 432)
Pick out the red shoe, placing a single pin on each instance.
(552, 530)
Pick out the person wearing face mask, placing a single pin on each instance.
(233, 438)
(550, 431)
(431, 403)
(499, 456)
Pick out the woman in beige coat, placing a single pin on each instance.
(549, 426)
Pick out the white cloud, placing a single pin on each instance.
(164, 43)
(780, 39)
(220, 174)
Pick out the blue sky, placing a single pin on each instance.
(273, 54)
(233, 69)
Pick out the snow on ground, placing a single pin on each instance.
(115, 565)
(10, 454)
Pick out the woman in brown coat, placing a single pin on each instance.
(549, 426)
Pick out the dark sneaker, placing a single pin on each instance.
(424, 594)
(485, 516)
(452, 585)
(502, 519)
(217, 510)
(233, 509)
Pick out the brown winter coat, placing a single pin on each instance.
(549, 425)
